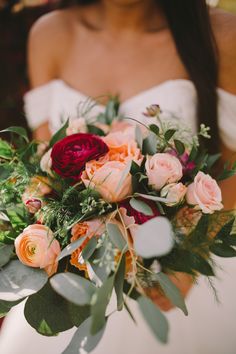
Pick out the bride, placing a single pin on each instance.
(178, 54)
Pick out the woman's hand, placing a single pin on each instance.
(184, 283)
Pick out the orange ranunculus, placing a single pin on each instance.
(36, 247)
(89, 229)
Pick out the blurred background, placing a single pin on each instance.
(16, 18)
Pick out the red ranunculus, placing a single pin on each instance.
(70, 154)
(139, 217)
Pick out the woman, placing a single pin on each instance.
(167, 52)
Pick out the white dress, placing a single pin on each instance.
(210, 327)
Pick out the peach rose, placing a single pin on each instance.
(162, 169)
(175, 192)
(205, 193)
(89, 229)
(36, 247)
(77, 125)
(123, 148)
(105, 178)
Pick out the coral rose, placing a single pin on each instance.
(105, 178)
(36, 247)
(204, 193)
(70, 154)
(162, 169)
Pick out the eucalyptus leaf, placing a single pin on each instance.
(154, 318)
(71, 248)
(116, 236)
(5, 253)
(17, 130)
(154, 238)
(141, 206)
(119, 283)
(171, 291)
(83, 341)
(19, 281)
(89, 248)
(99, 305)
(73, 288)
(47, 312)
(139, 137)
(150, 144)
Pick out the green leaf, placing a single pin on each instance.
(116, 236)
(17, 130)
(169, 133)
(19, 281)
(193, 153)
(78, 314)
(201, 265)
(6, 151)
(171, 291)
(99, 304)
(111, 110)
(154, 128)
(16, 219)
(154, 318)
(225, 231)
(221, 249)
(95, 130)
(5, 306)
(83, 340)
(89, 249)
(5, 253)
(212, 159)
(139, 137)
(119, 284)
(179, 146)
(73, 288)
(150, 144)
(47, 312)
(71, 248)
(154, 238)
(141, 206)
(60, 134)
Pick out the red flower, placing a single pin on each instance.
(70, 154)
(139, 217)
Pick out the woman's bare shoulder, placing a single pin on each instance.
(224, 27)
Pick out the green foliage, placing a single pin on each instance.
(6, 151)
(227, 172)
(5, 306)
(6, 252)
(60, 134)
(141, 206)
(180, 148)
(150, 144)
(119, 283)
(17, 130)
(116, 236)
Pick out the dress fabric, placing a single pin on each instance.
(210, 326)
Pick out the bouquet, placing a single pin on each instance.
(108, 204)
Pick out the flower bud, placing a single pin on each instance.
(33, 205)
(152, 111)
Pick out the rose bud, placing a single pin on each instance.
(162, 169)
(36, 247)
(175, 192)
(33, 205)
(204, 193)
(152, 111)
(70, 154)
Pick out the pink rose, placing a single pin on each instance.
(70, 154)
(162, 169)
(205, 193)
(105, 177)
(36, 247)
(175, 192)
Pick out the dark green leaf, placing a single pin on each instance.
(139, 137)
(225, 231)
(5, 253)
(60, 134)
(154, 318)
(179, 146)
(116, 236)
(78, 314)
(221, 249)
(119, 284)
(171, 291)
(73, 288)
(89, 248)
(47, 312)
(6, 151)
(83, 340)
(154, 128)
(95, 130)
(169, 133)
(19, 281)
(212, 159)
(99, 304)
(141, 206)
(17, 130)
(5, 306)
(150, 144)
(193, 153)
(201, 265)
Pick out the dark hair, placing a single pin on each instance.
(190, 25)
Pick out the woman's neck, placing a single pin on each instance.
(125, 16)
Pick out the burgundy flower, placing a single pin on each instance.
(70, 154)
(139, 217)
(188, 166)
